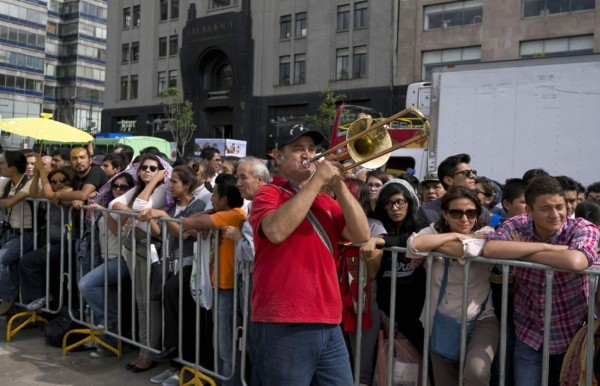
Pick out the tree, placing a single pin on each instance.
(323, 120)
(180, 116)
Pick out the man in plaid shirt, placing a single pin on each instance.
(545, 235)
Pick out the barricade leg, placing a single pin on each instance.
(33, 317)
(92, 336)
(198, 378)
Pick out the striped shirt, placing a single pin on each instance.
(569, 291)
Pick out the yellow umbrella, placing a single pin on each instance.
(44, 129)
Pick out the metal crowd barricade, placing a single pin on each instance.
(34, 317)
(92, 332)
(591, 273)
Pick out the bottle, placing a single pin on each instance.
(88, 314)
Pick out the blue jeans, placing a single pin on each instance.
(528, 366)
(10, 253)
(91, 287)
(298, 354)
(225, 337)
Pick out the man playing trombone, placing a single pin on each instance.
(296, 304)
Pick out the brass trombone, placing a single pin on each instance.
(369, 143)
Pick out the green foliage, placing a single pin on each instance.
(180, 116)
(323, 120)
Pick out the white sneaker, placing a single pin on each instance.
(173, 380)
(162, 377)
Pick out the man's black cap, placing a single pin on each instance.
(288, 135)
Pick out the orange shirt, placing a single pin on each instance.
(234, 217)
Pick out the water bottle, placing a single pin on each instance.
(88, 314)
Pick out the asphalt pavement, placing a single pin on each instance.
(28, 361)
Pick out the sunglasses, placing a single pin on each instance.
(467, 173)
(484, 193)
(374, 185)
(120, 187)
(58, 181)
(398, 204)
(458, 214)
(151, 167)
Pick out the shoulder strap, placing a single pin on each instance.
(20, 185)
(316, 225)
(444, 281)
(7, 189)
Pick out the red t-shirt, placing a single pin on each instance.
(295, 281)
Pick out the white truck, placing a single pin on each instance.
(512, 116)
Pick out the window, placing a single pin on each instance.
(547, 7)
(162, 80)
(343, 17)
(284, 70)
(222, 3)
(448, 56)
(557, 47)
(285, 27)
(133, 92)
(360, 15)
(135, 51)
(125, 53)
(173, 45)
(174, 9)
(162, 47)
(223, 78)
(301, 25)
(453, 14)
(136, 16)
(124, 87)
(341, 64)
(126, 18)
(299, 68)
(172, 78)
(164, 10)
(359, 62)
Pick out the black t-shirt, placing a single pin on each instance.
(95, 177)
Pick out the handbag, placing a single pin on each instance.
(141, 242)
(445, 335)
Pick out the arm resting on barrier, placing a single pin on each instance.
(9, 202)
(557, 256)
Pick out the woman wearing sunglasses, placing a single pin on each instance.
(459, 235)
(91, 285)
(32, 266)
(149, 192)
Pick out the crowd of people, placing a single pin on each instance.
(289, 220)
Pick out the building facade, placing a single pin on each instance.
(52, 60)
(253, 67)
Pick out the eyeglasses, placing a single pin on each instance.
(120, 187)
(398, 204)
(458, 214)
(484, 193)
(374, 185)
(151, 167)
(218, 160)
(58, 181)
(467, 173)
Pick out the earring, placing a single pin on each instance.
(447, 223)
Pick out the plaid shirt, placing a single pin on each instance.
(569, 291)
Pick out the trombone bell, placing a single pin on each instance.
(367, 145)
